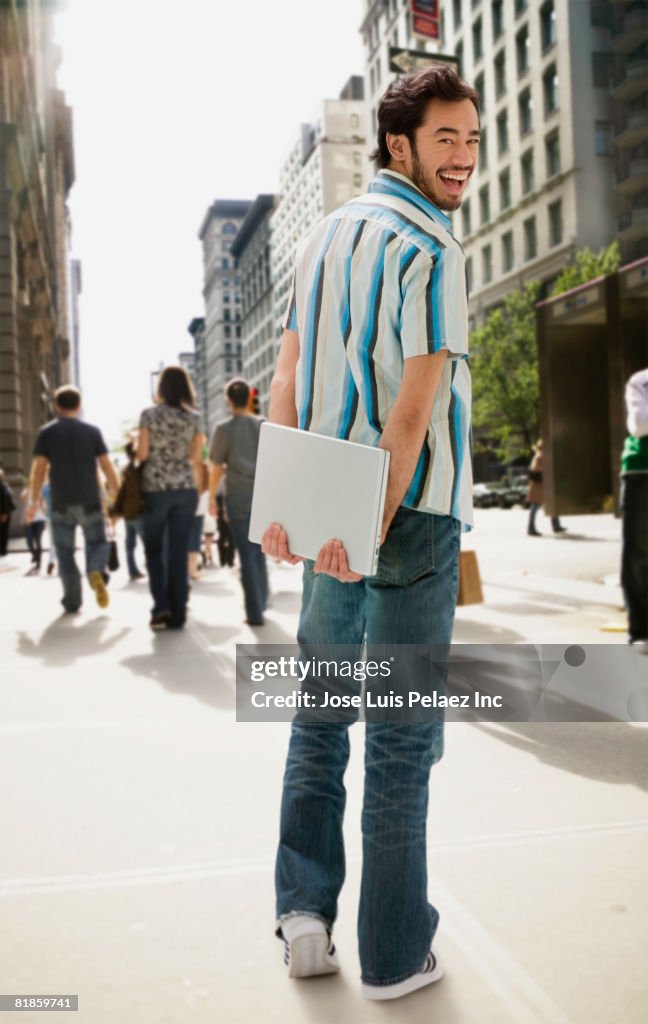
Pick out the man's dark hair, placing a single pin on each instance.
(403, 105)
(175, 388)
(238, 392)
(67, 397)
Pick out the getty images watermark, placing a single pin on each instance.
(464, 682)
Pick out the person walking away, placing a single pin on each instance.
(74, 450)
(170, 449)
(374, 350)
(226, 547)
(233, 452)
(128, 505)
(7, 507)
(634, 509)
(535, 494)
(34, 532)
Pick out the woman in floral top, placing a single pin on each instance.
(170, 451)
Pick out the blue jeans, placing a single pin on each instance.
(167, 519)
(254, 574)
(64, 524)
(133, 531)
(411, 600)
(34, 537)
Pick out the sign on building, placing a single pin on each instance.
(425, 18)
(402, 61)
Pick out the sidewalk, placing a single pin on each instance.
(140, 820)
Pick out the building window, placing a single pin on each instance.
(547, 25)
(456, 13)
(497, 14)
(226, 246)
(526, 166)
(552, 152)
(530, 239)
(525, 107)
(484, 205)
(228, 228)
(477, 40)
(469, 274)
(466, 224)
(500, 74)
(507, 251)
(459, 54)
(522, 50)
(505, 189)
(487, 264)
(483, 150)
(550, 89)
(224, 264)
(602, 64)
(357, 181)
(226, 297)
(604, 138)
(502, 132)
(228, 366)
(555, 223)
(227, 330)
(481, 89)
(520, 6)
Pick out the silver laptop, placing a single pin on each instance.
(320, 488)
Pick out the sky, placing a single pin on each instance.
(174, 105)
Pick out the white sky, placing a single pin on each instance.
(176, 104)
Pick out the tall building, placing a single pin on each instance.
(251, 250)
(36, 174)
(222, 302)
(74, 291)
(199, 372)
(326, 166)
(629, 25)
(545, 183)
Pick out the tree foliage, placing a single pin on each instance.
(504, 367)
(504, 363)
(586, 266)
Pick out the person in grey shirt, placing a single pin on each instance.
(233, 451)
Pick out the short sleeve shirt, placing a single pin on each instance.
(378, 281)
(171, 431)
(234, 444)
(72, 448)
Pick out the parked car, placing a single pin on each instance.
(499, 495)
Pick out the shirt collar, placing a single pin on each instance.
(398, 184)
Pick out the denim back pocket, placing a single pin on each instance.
(408, 552)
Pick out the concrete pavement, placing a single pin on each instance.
(140, 820)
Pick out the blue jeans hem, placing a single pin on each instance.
(393, 981)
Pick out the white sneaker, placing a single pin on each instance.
(432, 970)
(308, 947)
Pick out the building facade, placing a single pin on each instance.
(36, 174)
(326, 166)
(199, 368)
(545, 183)
(251, 251)
(222, 296)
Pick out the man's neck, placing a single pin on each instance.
(67, 414)
(240, 412)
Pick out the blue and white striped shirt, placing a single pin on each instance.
(377, 281)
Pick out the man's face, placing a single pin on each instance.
(444, 153)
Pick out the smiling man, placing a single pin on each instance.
(375, 350)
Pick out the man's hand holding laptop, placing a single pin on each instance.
(331, 560)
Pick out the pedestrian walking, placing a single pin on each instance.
(7, 508)
(634, 506)
(34, 532)
(47, 501)
(170, 449)
(129, 505)
(73, 449)
(374, 350)
(535, 494)
(226, 548)
(233, 452)
(195, 537)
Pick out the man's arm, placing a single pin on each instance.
(282, 389)
(195, 457)
(407, 425)
(215, 477)
(36, 481)
(110, 474)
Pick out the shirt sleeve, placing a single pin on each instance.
(636, 396)
(40, 445)
(434, 311)
(100, 444)
(289, 322)
(145, 418)
(218, 450)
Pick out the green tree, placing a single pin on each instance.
(586, 266)
(504, 367)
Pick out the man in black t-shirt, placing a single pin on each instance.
(72, 449)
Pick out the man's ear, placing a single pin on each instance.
(399, 147)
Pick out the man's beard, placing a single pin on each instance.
(422, 182)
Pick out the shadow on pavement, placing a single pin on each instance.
(63, 642)
(612, 752)
(467, 631)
